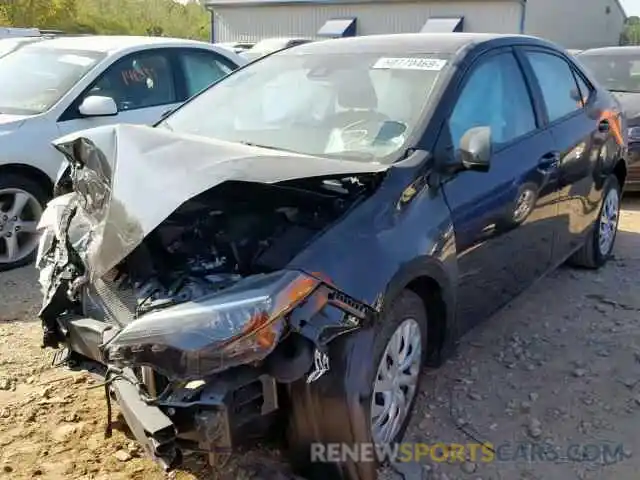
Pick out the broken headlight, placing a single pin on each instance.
(240, 325)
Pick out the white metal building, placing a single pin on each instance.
(572, 23)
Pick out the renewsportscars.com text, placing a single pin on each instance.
(606, 453)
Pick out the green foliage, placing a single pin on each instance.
(110, 17)
(631, 34)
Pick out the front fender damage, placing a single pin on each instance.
(95, 228)
(326, 314)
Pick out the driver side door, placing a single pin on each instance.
(143, 86)
(503, 218)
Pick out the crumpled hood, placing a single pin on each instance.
(136, 176)
(630, 103)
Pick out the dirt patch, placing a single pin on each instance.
(560, 367)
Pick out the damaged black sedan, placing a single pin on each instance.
(287, 250)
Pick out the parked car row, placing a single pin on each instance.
(270, 45)
(55, 86)
(237, 47)
(292, 245)
(255, 50)
(618, 70)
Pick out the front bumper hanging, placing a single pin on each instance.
(151, 427)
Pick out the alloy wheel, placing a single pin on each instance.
(609, 222)
(20, 212)
(396, 381)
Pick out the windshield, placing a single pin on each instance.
(360, 106)
(617, 73)
(35, 77)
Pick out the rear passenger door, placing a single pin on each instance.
(568, 102)
(200, 69)
(503, 218)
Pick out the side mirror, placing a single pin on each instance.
(97, 106)
(475, 149)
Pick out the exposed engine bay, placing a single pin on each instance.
(231, 231)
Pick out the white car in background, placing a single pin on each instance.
(55, 87)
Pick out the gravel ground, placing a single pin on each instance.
(560, 366)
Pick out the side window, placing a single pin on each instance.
(496, 96)
(140, 80)
(557, 83)
(201, 69)
(584, 88)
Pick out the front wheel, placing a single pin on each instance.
(366, 397)
(21, 204)
(599, 244)
(399, 355)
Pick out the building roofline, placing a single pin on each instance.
(622, 10)
(265, 3)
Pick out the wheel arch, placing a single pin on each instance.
(429, 279)
(33, 173)
(620, 171)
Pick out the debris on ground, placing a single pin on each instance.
(559, 366)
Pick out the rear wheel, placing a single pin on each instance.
(600, 242)
(22, 202)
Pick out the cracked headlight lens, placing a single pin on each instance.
(236, 326)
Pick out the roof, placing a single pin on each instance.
(113, 43)
(266, 3)
(626, 50)
(405, 43)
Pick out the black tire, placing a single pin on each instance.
(318, 412)
(589, 255)
(32, 187)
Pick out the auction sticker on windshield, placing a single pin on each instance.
(411, 63)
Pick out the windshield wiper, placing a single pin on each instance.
(622, 91)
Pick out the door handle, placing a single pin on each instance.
(604, 126)
(549, 162)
